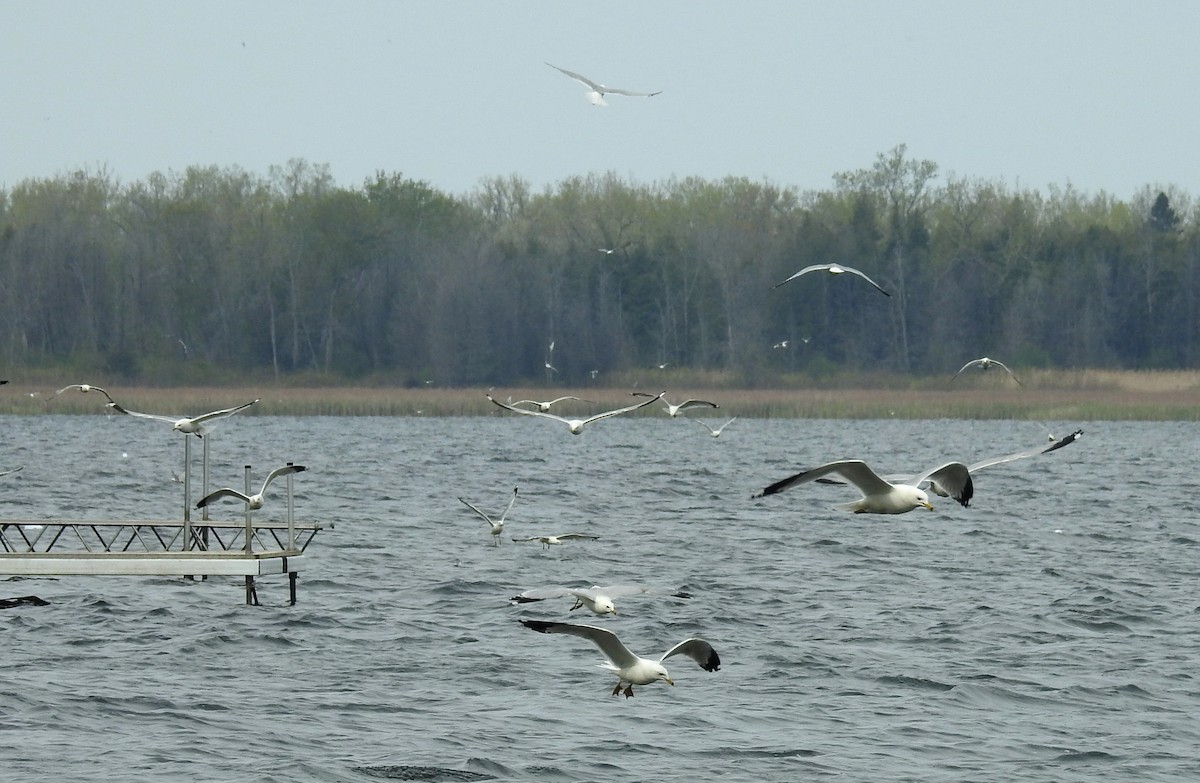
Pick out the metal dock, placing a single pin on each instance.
(127, 547)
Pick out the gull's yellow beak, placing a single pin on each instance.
(670, 681)
(928, 505)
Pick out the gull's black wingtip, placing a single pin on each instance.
(541, 626)
(713, 663)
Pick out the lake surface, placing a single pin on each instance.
(1050, 632)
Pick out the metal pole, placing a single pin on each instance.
(187, 493)
(291, 520)
(203, 493)
(249, 525)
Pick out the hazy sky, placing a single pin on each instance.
(1100, 95)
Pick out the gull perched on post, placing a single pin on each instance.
(195, 425)
(256, 500)
(597, 91)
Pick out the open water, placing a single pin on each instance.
(1051, 632)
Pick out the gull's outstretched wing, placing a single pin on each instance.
(221, 413)
(1044, 449)
(699, 651)
(626, 409)
(140, 415)
(221, 493)
(524, 412)
(581, 79)
(951, 480)
(274, 474)
(603, 638)
(486, 518)
(855, 471)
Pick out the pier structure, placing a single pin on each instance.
(180, 547)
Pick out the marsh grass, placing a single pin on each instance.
(1058, 396)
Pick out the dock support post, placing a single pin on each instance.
(291, 588)
(251, 593)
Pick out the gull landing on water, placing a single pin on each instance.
(497, 525)
(986, 364)
(549, 541)
(632, 669)
(256, 500)
(881, 496)
(576, 425)
(195, 425)
(596, 91)
(833, 269)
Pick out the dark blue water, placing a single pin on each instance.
(1048, 633)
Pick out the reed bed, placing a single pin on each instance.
(1104, 396)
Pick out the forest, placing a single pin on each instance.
(212, 273)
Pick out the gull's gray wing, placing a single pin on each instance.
(618, 591)
(581, 79)
(626, 409)
(486, 518)
(863, 275)
(541, 593)
(221, 493)
(221, 413)
(971, 363)
(630, 93)
(699, 651)
(565, 536)
(274, 474)
(606, 640)
(140, 415)
(855, 471)
(1004, 366)
(952, 479)
(1044, 449)
(804, 271)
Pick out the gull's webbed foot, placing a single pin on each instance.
(628, 690)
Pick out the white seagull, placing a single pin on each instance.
(598, 600)
(575, 425)
(545, 406)
(83, 387)
(986, 364)
(833, 269)
(255, 501)
(675, 410)
(881, 496)
(716, 433)
(195, 425)
(596, 92)
(632, 669)
(497, 525)
(549, 541)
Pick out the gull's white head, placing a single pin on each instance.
(603, 605)
(919, 498)
(660, 672)
(576, 426)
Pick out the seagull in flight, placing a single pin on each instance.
(596, 92)
(881, 496)
(833, 269)
(675, 410)
(497, 525)
(545, 406)
(549, 541)
(986, 364)
(85, 388)
(632, 669)
(575, 425)
(256, 500)
(598, 600)
(195, 425)
(716, 433)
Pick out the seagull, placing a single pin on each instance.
(598, 600)
(575, 425)
(596, 92)
(833, 269)
(549, 541)
(883, 497)
(545, 406)
(83, 387)
(497, 524)
(781, 344)
(675, 410)
(717, 432)
(196, 425)
(632, 669)
(254, 501)
(986, 364)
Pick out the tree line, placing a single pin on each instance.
(184, 276)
